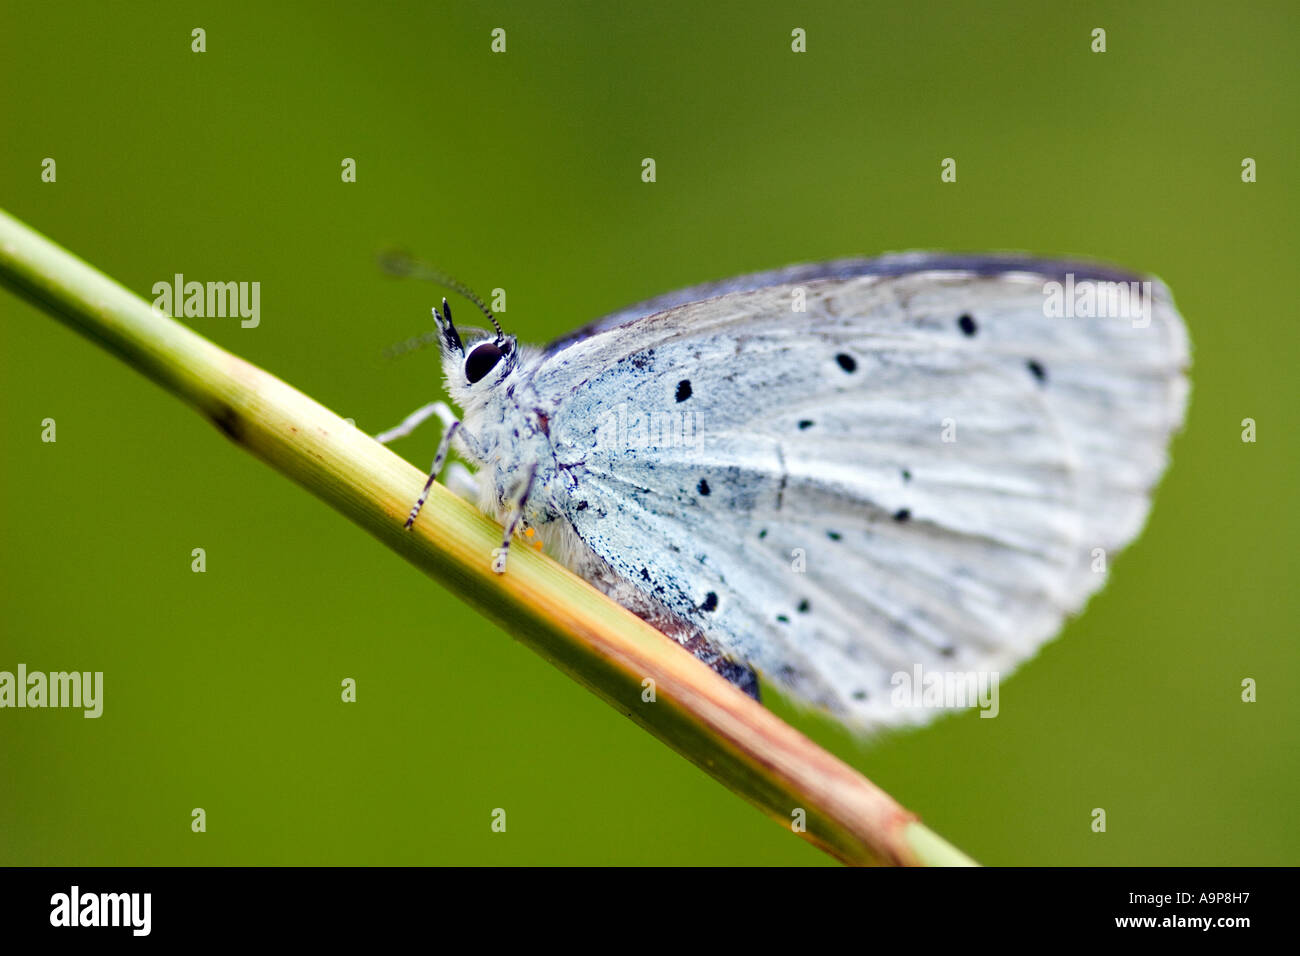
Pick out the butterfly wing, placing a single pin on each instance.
(915, 470)
(895, 264)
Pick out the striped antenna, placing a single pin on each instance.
(402, 264)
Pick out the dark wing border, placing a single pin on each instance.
(894, 264)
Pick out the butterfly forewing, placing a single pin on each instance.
(840, 477)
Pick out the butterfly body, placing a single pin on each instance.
(835, 474)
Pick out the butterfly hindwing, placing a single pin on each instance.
(916, 469)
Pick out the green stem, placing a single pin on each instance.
(598, 643)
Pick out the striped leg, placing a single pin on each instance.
(444, 447)
(516, 515)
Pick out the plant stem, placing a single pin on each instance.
(598, 643)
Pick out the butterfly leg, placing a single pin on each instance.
(451, 426)
(417, 418)
(516, 515)
(444, 447)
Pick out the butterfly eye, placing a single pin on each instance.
(482, 360)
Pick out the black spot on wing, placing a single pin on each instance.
(805, 424)
(847, 362)
(683, 390)
(704, 487)
(1037, 371)
(710, 602)
(902, 514)
(967, 325)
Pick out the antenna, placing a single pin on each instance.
(402, 264)
(412, 345)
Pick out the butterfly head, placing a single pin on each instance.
(479, 367)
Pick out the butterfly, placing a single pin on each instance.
(833, 474)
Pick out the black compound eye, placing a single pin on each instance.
(482, 360)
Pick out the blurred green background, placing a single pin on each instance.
(522, 171)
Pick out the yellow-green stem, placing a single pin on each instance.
(595, 641)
